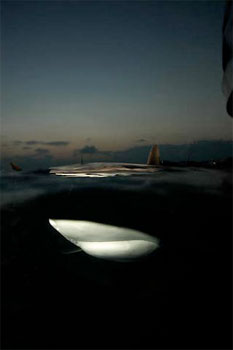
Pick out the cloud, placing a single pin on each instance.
(49, 143)
(141, 140)
(41, 150)
(89, 150)
(33, 142)
(92, 150)
(5, 145)
(57, 143)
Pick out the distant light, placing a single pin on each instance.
(106, 241)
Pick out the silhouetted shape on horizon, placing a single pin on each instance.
(15, 167)
(154, 156)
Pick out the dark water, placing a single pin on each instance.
(179, 297)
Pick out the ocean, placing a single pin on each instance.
(178, 297)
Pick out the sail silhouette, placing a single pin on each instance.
(15, 167)
(154, 156)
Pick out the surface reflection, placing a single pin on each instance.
(104, 170)
(106, 241)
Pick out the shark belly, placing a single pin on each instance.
(106, 241)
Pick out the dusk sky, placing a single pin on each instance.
(112, 75)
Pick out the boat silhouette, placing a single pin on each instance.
(15, 167)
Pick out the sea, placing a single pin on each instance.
(178, 297)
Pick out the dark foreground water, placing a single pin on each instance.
(179, 297)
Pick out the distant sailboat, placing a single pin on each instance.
(15, 167)
(154, 156)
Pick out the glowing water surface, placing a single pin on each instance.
(103, 170)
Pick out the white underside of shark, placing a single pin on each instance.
(106, 241)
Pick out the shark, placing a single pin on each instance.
(104, 241)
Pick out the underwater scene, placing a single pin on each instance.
(139, 261)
